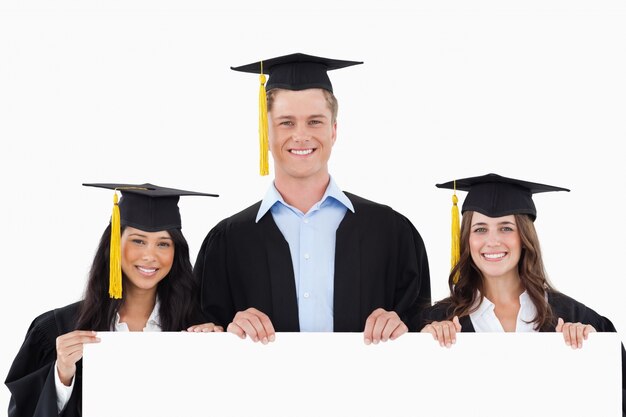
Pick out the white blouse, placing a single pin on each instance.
(484, 318)
(64, 393)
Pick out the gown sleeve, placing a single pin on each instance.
(212, 273)
(31, 376)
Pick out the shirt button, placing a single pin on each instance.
(305, 295)
(306, 256)
(306, 221)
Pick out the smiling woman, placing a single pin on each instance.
(499, 283)
(144, 256)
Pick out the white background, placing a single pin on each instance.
(141, 91)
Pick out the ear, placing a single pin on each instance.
(334, 136)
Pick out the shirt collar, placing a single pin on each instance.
(486, 304)
(272, 196)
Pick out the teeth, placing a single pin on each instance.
(301, 151)
(146, 270)
(494, 255)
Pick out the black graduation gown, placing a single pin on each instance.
(563, 306)
(380, 261)
(31, 377)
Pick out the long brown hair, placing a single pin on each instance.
(466, 295)
(177, 292)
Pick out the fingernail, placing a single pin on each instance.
(367, 341)
(264, 341)
(272, 338)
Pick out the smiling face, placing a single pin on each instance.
(147, 257)
(495, 245)
(301, 134)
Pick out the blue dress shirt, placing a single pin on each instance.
(311, 237)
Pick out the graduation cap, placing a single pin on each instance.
(147, 207)
(290, 72)
(493, 196)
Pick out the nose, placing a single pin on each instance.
(148, 254)
(300, 134)
(493, 239)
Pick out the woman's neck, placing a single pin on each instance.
(503, 289)
(137, 307)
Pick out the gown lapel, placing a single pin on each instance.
(282, 281)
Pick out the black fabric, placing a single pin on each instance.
(380, 261)
(31, 377)
(296, 71)
(570, 310)
(497, 196)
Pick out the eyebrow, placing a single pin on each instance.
(313, 116)
(499, 224)
(145, 236)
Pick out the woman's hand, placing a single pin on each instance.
(70, 351)
(205, 328)
(444, 331)
(574, 333)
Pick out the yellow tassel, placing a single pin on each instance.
(263, 129)
(115, 266)
(456, 235)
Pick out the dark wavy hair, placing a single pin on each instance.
(467, 294)
(178, 291)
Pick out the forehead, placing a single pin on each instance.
(308, 101)
(481, 218)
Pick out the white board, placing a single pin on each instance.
(313, 374)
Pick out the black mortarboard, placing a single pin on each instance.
(290, 72)
(145, 207)
(296, 71)
(497, 196)
(149, 207)
(493, 196)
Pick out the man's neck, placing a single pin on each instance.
(302, 194)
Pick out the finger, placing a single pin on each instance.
(580, 329)
(379, 327)
(559, 325)
(263, 329)
(235, 329)
(400, 329)
(566, 336)
(572, 336)
(457, 323)
(588, 329)
(77, 339)
(447, 338)
(452, 329)
(370, 322)
(218, 329)
(429, 329)
(439, 329)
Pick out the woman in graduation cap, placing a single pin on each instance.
(144, 256)
(498, 282)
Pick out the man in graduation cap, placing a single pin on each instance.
(310, 257)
